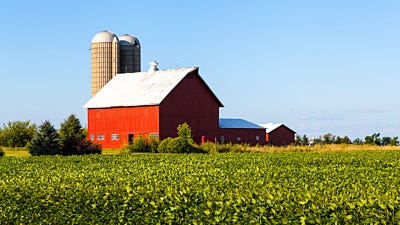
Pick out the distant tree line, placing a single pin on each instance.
(329, 138)
(70, 139)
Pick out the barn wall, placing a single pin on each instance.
(247, 135)
(141, 120)
(192, 102)
(281, 136)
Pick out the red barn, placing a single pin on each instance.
(152, 103)
(278, 134)
(238, 131)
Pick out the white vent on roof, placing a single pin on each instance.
(153, 66)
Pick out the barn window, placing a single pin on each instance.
(100, 137)
(257, 138)
(222, 139)
(114, 137)
(92, 137)
(153, 135)
(238, 138)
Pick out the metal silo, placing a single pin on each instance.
(129, 54)
(105, 63)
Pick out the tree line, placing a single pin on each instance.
(374, 139)
(70, 139)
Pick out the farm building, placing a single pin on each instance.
(153, 103)
(278, 134)
(240, 131)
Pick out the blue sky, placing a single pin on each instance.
(317, 66)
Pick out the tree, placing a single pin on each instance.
(304, 140)
(394, 141)
(17, 133)
(373, 139)
(346, 140)
(357, 141)
(328, 138)
(45, 141)
(297, 140)
(71, 127)
(338, 140)
(386, 141)
(73, 140)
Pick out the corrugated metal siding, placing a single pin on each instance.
(141, 120)
(246, 135)
(193, 103)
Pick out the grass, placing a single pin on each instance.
(15, 152)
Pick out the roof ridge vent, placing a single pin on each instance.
(153, 66)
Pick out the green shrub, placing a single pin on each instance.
(162, 147)
(1, 152)
(209, 147)
(139, 144)
(80, 146)
(86, 147)
(154, 142)
(179, 145)
(185, 131)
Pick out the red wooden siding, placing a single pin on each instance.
(281, 136)
(140, 120)
(191, 101)
(246, 135)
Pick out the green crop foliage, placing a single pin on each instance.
(359, 187)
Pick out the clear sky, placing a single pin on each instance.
(317, 66)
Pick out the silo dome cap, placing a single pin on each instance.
(128, 39)
(105, 36)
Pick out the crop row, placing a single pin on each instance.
(275, 188)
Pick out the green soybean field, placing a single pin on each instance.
(358, 187)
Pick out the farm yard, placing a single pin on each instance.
(322, 187)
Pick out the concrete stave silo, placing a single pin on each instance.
(105, 59)
(129, 55)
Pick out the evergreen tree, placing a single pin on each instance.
(71, 127)
(73, 140)
(45, 141)
(304, 140)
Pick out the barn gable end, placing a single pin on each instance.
(193, 102)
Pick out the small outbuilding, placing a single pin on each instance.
(238, 131)
(278, 134)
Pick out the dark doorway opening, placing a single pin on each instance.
(130, 138)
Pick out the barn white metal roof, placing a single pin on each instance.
(237, 123)
(138, 89)
(271, 126)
